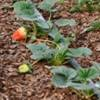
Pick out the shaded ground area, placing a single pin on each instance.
(37, 86)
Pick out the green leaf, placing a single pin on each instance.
(58, 38)
(65, 22)
(82, 2)
(60, 81)
(95, 25)
(96, 89)
(97, 67)
(62, 76)
(54, 33)
(69, 73)
(80, 86)
(96, 64)
(86, 74)
(97, 92)
(61, 1)
(78, 52)
(97, 85)
(40, 51)
(42, 23)
(24, 10)
(27, 11)
(41, 32)
(47, 5)
(75, 9)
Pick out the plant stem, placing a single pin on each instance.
(50, 16)
(48, 42)
(34, 29)
(77, 92)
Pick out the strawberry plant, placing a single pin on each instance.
(95, 25)
(81, 3)
(57, 53)
(59, 56)
(90, 5)
(62, 76)
(78, 80)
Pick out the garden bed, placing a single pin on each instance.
(37, 85)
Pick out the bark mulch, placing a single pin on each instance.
(37, 86)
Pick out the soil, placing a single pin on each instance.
(37, 85)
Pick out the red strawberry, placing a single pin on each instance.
(19, 34)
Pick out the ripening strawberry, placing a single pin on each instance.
(19, 34)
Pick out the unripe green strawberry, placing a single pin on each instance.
(24, 68)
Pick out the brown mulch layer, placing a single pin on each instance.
(37, 86)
